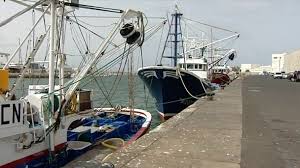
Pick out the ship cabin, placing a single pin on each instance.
(220, 69)
(196, 66)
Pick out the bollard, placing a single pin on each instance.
(210, 96)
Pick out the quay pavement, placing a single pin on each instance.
(207, 134)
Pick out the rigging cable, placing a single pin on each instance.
(94, 25)
(88, 51)
(94, 7)
(159, 43)
(74, 40)
(108, 65)
(210, 25)
(86, 45)
(92, 32)
(114, 85)
(169, 30)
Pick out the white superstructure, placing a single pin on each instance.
(197, 66)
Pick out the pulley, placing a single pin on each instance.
(127, 30)
(231, 56)
(131, 33)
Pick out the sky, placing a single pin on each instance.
(266, 26)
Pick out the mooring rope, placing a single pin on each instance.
(179, 74)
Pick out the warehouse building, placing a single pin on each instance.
(278, 62)
(256, 68)
(292, 62)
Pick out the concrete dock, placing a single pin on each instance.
(253, 123)
(207, 134)
(271, 123)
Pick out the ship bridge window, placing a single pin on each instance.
(196, 66)
(200, 66)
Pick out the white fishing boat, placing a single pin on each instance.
(54, 124)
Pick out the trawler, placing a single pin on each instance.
(54, 124)
(186, 80)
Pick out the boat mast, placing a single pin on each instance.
(61, 56)
(176, 24)
(51, 67)
(175, 42)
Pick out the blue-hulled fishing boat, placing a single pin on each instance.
(175, 87)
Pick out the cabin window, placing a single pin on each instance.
(200, 66)
(190, 66)
(196, 66)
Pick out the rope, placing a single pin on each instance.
(92, 31)
(159, 44)
(210, 25)
(86, 45)
(114, 147)
(179, 74)
(109, 25)
(105, 67)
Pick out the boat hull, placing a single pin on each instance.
(165, 85)
(220, 78)
(38, 156)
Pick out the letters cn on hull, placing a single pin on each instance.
(11, 113)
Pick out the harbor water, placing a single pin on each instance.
(104, 84)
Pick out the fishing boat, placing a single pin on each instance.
(220, 70)
(173, 87)
(35, 70)
(186, 80)
(220, 76)
(54, 124)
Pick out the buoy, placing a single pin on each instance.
(4, 78)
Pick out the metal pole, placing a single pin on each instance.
(62, 58)
(51, 67)
(23, 41)
(33, 32)
(176, 38)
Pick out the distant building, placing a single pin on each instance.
(256, 68)
(245, 67)
(278, 62)
(284, 62)
(248, 67)
(292, 62)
